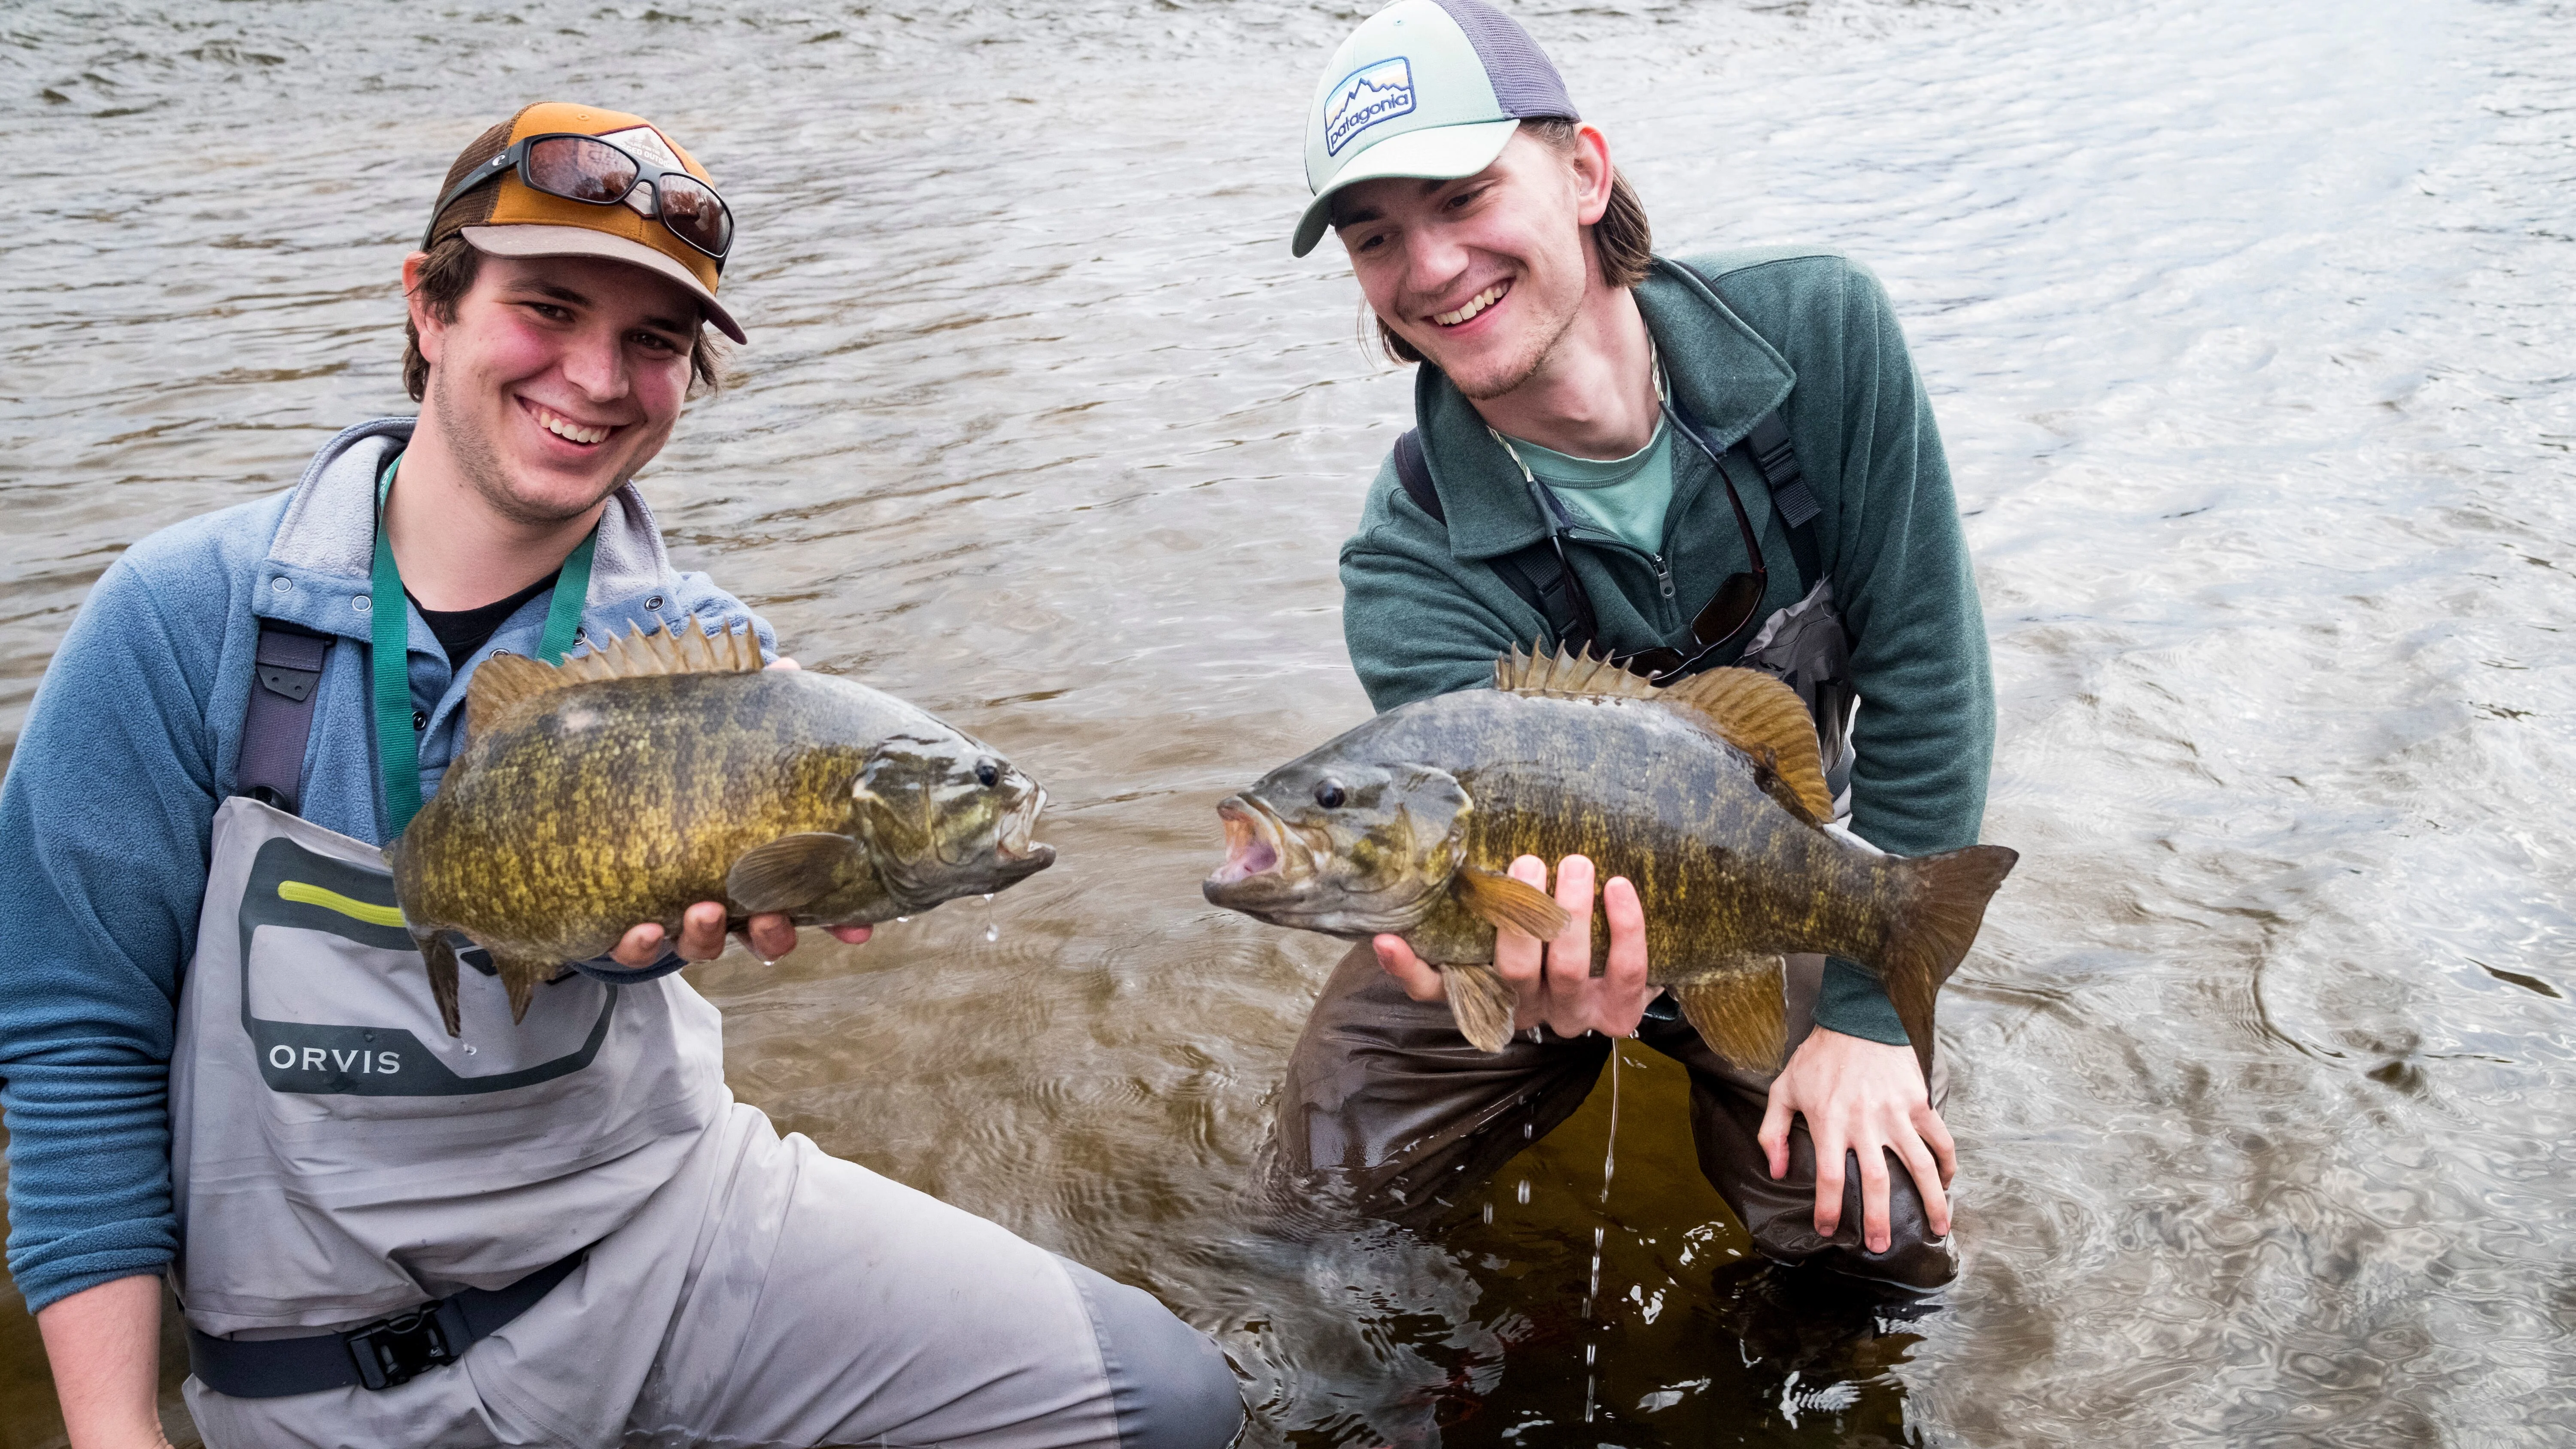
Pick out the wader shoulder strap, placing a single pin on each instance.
(1539, 578)
(1533, 573)
(1791, 498)
(279, 719)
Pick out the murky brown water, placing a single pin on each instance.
(2251, 327)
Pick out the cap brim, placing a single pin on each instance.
(530, 240)
(1436, 153)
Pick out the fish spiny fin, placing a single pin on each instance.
(1548, 672)
(441, 958)
(504, 682)
(1766, 720)
(1498, 900)
(1933, 930)
(1483, 1004)
(672, 649)
(791, 871)
(1739, 1013)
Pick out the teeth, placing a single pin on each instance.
(564, 427)
(1475, 304)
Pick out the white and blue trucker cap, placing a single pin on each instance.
(1424, 88)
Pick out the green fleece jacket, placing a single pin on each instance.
(1800, 330)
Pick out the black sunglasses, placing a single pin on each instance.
(1738, 598)
(601, 173)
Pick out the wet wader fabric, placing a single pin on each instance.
(339, 1159)
(1383, 1095)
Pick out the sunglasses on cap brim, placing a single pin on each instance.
(594, 172)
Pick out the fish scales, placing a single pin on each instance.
(621, 788)
(625, 803)
(1708, 796)
(1658, 800)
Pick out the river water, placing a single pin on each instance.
(2251, 331)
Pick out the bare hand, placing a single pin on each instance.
(1867, 1098)
(1553, 980)
(702, 927)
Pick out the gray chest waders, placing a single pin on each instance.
(337, 1157)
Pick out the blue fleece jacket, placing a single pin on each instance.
(107, 810)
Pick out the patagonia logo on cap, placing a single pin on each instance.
(1380, 91)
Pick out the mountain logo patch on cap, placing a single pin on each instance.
(1379, 91)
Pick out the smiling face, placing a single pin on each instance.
(557, 379)
(1486, 274)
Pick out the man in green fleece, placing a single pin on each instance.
(1609, 450)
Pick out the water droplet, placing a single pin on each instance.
(1610, 1153)
(1589, 1351)
(469, 1049)
(992, 932)
(899, 920)
(1489, 1212)
(1523, 1192)
(1528, 1130)
(988, 898)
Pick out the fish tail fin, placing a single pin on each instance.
(1741, 1015)
(1946, 906)
(1483, 1003)
(441, 957)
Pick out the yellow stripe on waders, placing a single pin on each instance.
(313, 895)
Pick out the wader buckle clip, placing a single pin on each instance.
(394, 1350)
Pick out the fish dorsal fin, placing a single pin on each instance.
(1746, 708)
(505, 681)
(1766, 720)
(1561, 675)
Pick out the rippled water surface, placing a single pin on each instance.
(2251, 331)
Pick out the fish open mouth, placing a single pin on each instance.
(1014, 840)
(1251, 842)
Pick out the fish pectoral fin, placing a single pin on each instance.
(1498, 900)
(1767, 721)
(791, 871)
(441, 959)
(1483, 1004)
(1739, 1012)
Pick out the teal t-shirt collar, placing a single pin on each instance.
(389, 651)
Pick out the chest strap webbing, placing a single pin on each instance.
(1538, 576)
(279, 718)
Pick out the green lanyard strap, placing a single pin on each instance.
(389, 614)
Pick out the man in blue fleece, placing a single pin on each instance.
(221, 1060)
(1725, 462)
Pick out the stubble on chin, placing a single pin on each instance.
(480, 461)
(1510, 375)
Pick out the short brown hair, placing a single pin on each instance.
(449, 274)
(1622, 238)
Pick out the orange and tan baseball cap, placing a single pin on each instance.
(503, 216)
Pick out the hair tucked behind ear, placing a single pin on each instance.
(449, 274)
(1622, 238)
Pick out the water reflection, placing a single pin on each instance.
(2248, 327)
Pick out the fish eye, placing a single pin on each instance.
(986, 775)
(1329, 795)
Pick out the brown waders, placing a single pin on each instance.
(1385, 1096)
